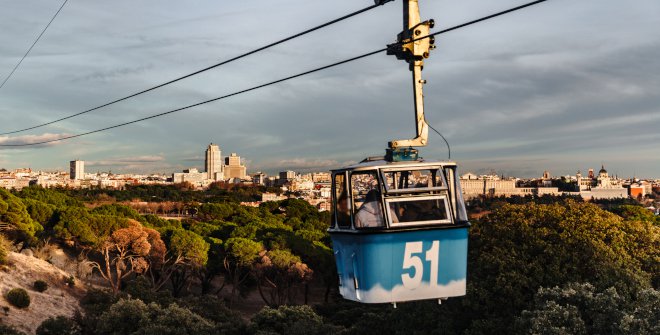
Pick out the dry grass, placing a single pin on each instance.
(59, 299)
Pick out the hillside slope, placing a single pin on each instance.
(59, 299)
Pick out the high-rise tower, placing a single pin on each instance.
(213, 162)
(233, 167)
(77, 170)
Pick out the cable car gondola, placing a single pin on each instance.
(400, 227)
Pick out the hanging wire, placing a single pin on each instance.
(32, 46)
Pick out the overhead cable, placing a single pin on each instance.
(32, 46)
(204, 69)
(269, 83)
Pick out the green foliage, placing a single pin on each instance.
(210, 307)
(519, 248)
(123, 318)
(49, 196)
(212, 211)
(202, 228)
(18, 297)
(141, 289)
(40, 211)
(579, 309)
(290, 320)
(160, 224)
(118, 210)
(94, 304)
(177, 192)
(40, 286)
(14, 212)
(555, 319)
(190, 246)
(635, 213)
(242, 251)
(134, 317)
(643, 316)
(85, 228)
(58, 326)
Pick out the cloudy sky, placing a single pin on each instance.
(561, 86)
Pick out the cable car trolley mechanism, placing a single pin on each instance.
(400, 227)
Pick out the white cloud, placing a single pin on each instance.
(13, 142)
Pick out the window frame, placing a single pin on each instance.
(439, 171)
(335, 197)
(443, 197)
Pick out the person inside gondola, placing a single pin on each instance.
(370, 213)
(343, 215)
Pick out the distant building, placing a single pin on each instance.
(324, 206)
(601, 187)
(192, 176)
(233, 167)
(636, 191)
(286, 177)
(213, 162)
(546, 175)
(259, 178)
(77, 170)
(271, 197)
(321, 177)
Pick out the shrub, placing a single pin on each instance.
(7, 330)
(18, 297)
(40, 286)
(290, 320)
(58, 326)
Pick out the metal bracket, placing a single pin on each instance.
(414, 52)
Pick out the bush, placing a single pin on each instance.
(7, 330)
(40, 286)
(290, 320)
(18, 297)
(58, 326)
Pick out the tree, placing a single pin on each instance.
(127, 251)
(40, 211)
(85, 230)
(190, 254)
(240, 258)
(635, 213)
(49, 196)
(118, 211)
(580, 309)
(211, 211)
(14, 214)
(214, 266)
(519, 248)
(279, 272)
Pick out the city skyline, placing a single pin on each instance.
(520, 94)
(226, 161)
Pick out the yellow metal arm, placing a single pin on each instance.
(414, 52)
